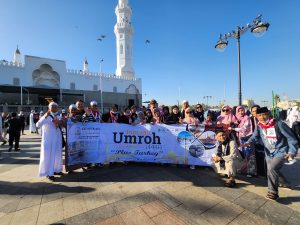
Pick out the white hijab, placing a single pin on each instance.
(293, 116)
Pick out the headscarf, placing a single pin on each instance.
(293, 116)
(93, 103)
(226, 119)
(239, 117)
(52, 104)
(245, 125)
(72, 106)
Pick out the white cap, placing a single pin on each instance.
(63, 111)
(72, 106)
(93, 103)
(52, 104)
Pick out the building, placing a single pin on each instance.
(32, 84)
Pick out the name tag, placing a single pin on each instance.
(270, 133)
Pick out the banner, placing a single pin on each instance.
(159, 143)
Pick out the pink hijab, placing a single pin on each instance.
(245, 124)
(226, 119)
(240, 118)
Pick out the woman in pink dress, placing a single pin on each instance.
(244, 132)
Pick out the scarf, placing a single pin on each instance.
(269, 124)
(114, 116)
(269, 131)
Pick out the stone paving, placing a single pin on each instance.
(136, 194)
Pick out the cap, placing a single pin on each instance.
(262, 110)
(93, 103)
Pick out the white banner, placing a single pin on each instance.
(107, 142)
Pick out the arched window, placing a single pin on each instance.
(115, 89)
(121, 49)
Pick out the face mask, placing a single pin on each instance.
(53, 114)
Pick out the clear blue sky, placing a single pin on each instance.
(180, 62)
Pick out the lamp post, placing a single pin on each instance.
(258, 28)
(265, 103)
(207, 97)
(101, 92)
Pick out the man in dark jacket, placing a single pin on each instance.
(279, 144)
(14, 131)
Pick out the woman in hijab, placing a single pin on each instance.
(156, 117)
(293, 116)
(226, 119)
(174, 117)
(244, 132)
(189, 117)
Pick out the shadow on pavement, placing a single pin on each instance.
(26, 188)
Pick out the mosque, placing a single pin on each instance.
(31, 84)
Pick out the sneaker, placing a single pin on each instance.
(272, 196)
(290, 161)
(98, 165)
(230, 184)
(192, 167)
(17, 149)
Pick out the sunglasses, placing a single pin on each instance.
(225, 110)
(188, 112)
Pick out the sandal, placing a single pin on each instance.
(272, 196)
(286, 186)
(230, 184)
(59, 173)
(52, 178)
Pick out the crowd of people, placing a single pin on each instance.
(249, 140)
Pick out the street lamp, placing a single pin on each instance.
(101, 92)
(207, 97)
(258, 28)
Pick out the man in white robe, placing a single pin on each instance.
(51, 146)
(32, 127)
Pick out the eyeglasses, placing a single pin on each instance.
(225, 110)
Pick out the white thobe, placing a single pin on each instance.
(51, 147)
(32, 127)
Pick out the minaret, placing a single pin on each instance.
(17, 57)
(123, 32)
(85, 67)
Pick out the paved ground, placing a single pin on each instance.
(136, 194)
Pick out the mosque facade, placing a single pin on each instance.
(38, 80)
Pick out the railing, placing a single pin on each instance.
(6, 63)
(110, 76)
